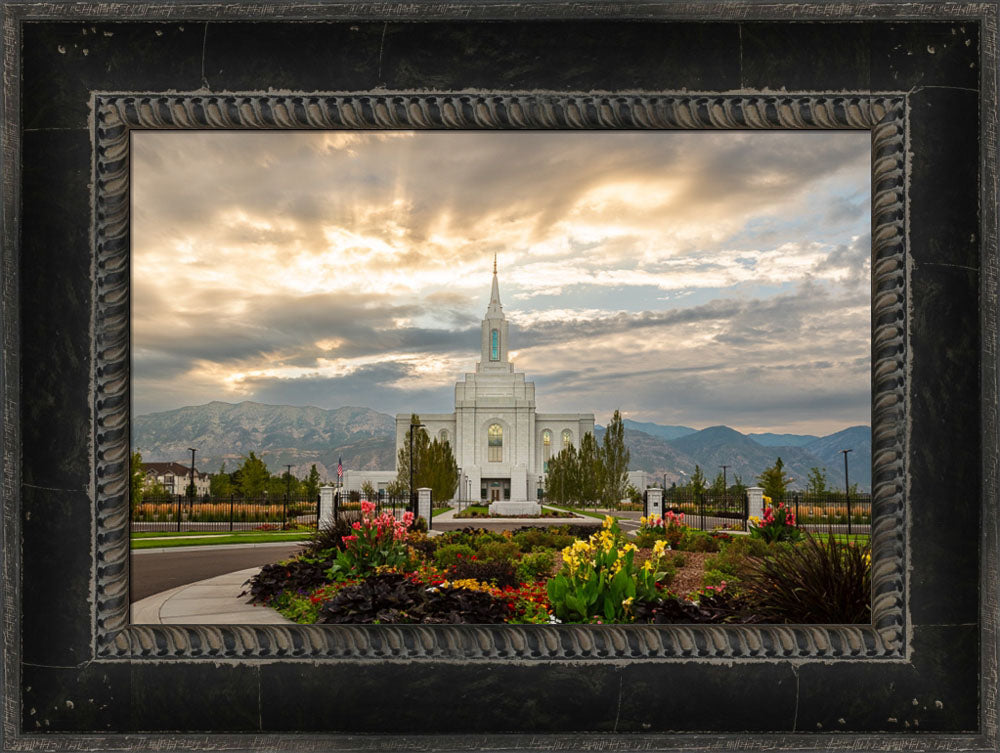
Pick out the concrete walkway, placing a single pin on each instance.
(214, 601)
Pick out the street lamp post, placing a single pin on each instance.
(191, 498)
(413, 499)
(847, 491)
(725, 485)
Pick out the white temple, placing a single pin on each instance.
(501, 444)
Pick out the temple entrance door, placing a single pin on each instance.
(494, 495)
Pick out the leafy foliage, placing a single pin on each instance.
(253, 476)
(450, 554)
(817, 581)
(774, 480)
(302, 574)
(614, 457)
(499, 551)
(434, 465)
(331, 536)
(713, 608)
(501, 573)
(135, 480)
(536, 565)
(398, 598)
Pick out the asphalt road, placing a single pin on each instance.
(153, 572)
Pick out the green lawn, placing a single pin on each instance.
(438, 510)
(156, 539)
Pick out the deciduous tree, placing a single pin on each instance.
(615, 457)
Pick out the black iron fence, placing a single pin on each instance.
(709, 511)
(831, 512)
(233, 513)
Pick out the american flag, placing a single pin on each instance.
(340, 468)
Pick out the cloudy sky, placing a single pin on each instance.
(692, 278)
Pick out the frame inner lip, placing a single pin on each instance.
(115, 115)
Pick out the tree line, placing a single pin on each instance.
(594, 473)
(251, 480)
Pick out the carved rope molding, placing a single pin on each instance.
(116, 115)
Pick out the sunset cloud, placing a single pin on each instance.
(686, 277)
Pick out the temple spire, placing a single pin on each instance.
(494, 306)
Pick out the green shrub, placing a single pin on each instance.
(548, 538)
(716, 577)
(678, 560)
(474, 537)
(536, 565)
(644, 539)
(499, 551)
(450, 554)
(697, 541)
(814, 582)
(737, 557)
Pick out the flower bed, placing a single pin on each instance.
(379, 570)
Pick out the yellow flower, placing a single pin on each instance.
(659, 547)
(755, 520)
(608, 522)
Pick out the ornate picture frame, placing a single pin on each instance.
(927, 663)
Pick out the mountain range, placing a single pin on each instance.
(365, 439)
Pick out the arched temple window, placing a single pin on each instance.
(443, 435)
(495, 436)
(494, 345)
(546, 449)
(567, 437)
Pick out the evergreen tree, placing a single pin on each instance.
(421, 444)
(253, 476)
(718, 487)
(438, 471)
(774, 481)
(563, 480)
(219, 486)
(311, 484)
(697, 483)
(135, 480)
(590, 469)
(615, 457)
(368, 491)
(738, 488)
(817, 481)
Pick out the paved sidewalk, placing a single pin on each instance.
(214, 601)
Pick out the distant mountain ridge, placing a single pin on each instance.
(365, 440)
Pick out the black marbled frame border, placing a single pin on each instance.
(116, 115)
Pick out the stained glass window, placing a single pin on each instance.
(546, 449)
(496, 443)
(494, 345)
(567, 438)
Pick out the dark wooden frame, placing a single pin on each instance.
(77, 667)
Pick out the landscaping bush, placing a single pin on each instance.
(735, 559)
(530, 539)
(670, 528)
(710, 608)
(678, 559)
(599, 577)
(535, 565)
(777, 524)
(423, 544)
(499, 573)
(332, 534)
(815, 581)
(303, 574)
(451, 554)
(398, 598)
(473, 537)
(499, 551)
(694, 540)
(576, 530)
(376, 541)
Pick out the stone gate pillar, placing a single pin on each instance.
(654, 502)
(424, 505)
(326, 510)
(755, 497)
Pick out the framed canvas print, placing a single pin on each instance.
(215, 211)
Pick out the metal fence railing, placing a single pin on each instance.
(233, 513)
(832, 512)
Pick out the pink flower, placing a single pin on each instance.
(407, 518)
(367, 508)
(350, 538)
(356, 525)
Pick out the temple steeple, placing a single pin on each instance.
(494, 343)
